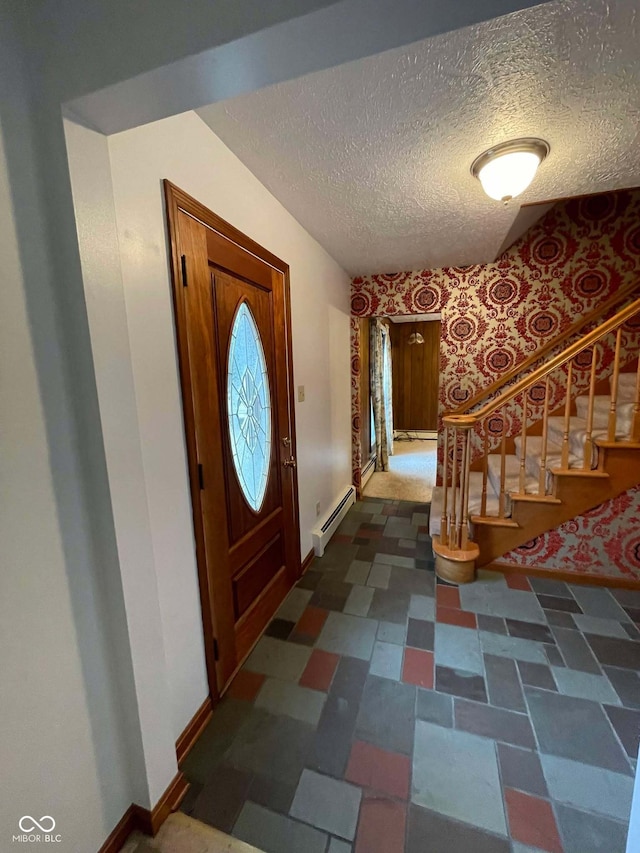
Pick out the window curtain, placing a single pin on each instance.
(381, 393)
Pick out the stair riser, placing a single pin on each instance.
(626, 386)
(577, 440)
(624, 414)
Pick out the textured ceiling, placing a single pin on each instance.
(373, 157)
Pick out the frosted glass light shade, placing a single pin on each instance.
(509, 175)
(507, 170)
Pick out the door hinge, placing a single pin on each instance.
(183, 264)
(200, 477)
(216, 650)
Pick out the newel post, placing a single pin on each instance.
(455, 553)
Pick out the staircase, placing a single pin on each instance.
(588, 451)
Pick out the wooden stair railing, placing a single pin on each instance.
(455, 552)
(616, 298)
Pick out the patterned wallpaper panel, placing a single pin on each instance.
(604, 541)
(496, 315)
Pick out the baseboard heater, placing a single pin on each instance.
(367, 472)
(322, 534)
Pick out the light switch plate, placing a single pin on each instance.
(301, 393)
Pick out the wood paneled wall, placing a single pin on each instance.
(415, 375)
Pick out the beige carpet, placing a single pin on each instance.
(182, 834)
(411, 475)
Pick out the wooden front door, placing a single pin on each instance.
(231, 300)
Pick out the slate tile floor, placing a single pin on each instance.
(384, 712)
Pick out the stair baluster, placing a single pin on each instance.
(485, 471)
(588, 444)
(444, 521)
(611, 431)
(465, 502)
(564, 462)
(523, 440)
(462, 530)
(503, 463)
(542, 479)
(454, 479)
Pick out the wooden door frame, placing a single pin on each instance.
(177, 200)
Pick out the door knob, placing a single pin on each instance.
(290, 462)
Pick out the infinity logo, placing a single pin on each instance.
(28, 823)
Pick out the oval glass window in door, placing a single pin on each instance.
(249, 407)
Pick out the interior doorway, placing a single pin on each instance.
(231, 300)
(404, 359)
(415, 345)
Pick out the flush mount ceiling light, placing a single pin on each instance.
(507, 169)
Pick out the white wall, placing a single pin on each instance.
(98, 243)
(72, 737)
(35, 614)
(256, 44)
(63, 748)
(185, 150)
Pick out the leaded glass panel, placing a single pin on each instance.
(249, 407)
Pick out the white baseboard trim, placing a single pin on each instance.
(327, 526)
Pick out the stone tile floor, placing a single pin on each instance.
(385, 712)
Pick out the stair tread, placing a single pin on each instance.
(494, 521)
(627, 444)
(536, 498)
(579, 472)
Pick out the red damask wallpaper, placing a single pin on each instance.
(496, 315)
(605, 541)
